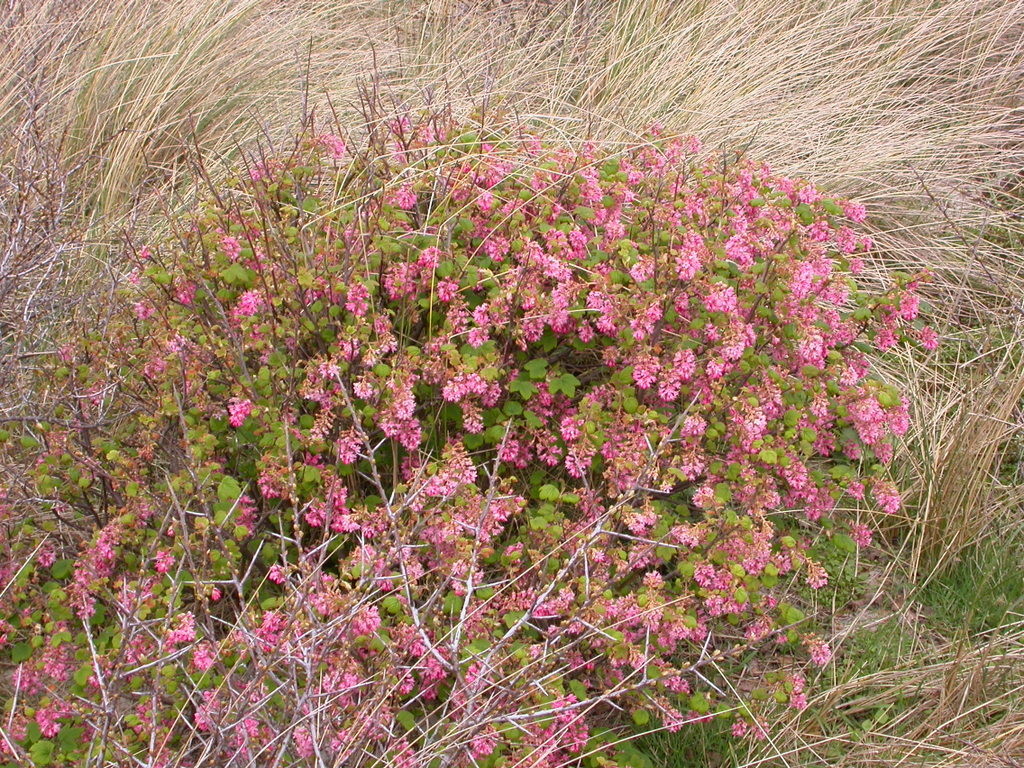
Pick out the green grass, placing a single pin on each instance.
(874, 649)
(699, 745)
(984, 589)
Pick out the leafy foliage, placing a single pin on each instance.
(434, 448)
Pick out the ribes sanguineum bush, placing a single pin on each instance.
(448, 444)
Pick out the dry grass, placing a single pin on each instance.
(949, 704)
(967, 401)
(127, 87)
(885, 101)
(913, 107)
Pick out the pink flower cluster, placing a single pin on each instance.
(238, 411)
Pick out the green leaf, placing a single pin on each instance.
(42, 752)
(537, 369)
(841, 470)
(699, 703)
(70, 737)
(791, 614)
(887, 399)
(512, 408)
(406, 719)
(83, 674)
(310, 474)
(62, 569)
(229, 489)
(629, 756)
(844, 543)
(237, 275)
(723, 493)
(525, 389)
(20, 652)
(578, 689)
(566, 383)
(641, 716)
(533, 421)
(768, 456)
(452, 603)
(548, 493)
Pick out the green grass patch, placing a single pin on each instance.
(707, 745)
(983, 590)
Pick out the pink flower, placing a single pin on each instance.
(861, 534)
(249, 303)
(817, 577)
(238, 411)
(334, 144)
(47, 556)
(277, 574)
(204, 656)
(909, 306)
(271, 627)
(163, 561)
(232, 248)
(47, 720)
(446, 290)
(723, 299)
(366, 621)
(855, 212)
(429, 258)
(357, 300)
(404, 197)
(887, 496)
(645, 372)
(846, 240)
(929, 338)
(186, 293)
(184, 630)
(821, 654)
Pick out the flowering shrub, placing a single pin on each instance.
(431, 451)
